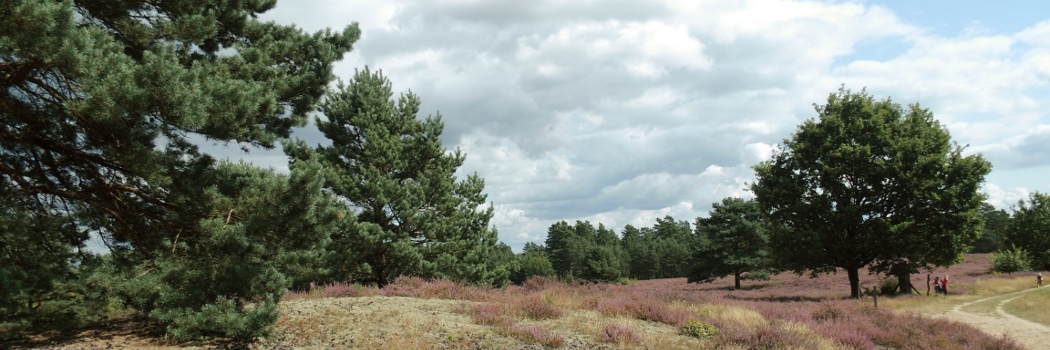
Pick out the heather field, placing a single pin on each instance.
(786, 312)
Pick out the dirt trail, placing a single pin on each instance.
(1029, 334)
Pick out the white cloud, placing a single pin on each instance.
(623, 111)
(1004, 198)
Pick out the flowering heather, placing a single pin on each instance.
(788, 311)
(536, 335)
(769, 336)
(619, 333)
(492, 315)
(536, 307)
(540, 283)
(642, 309)
(334, 290)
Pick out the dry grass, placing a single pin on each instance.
(787, 312)
(1032, 306)
(389, 323)
(977, 287)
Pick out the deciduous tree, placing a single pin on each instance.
(1029, 229)
(870, 184)
(995, 225)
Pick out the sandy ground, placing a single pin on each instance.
(1031, 335)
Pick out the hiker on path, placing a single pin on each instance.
(944, 285)
(1039, 278)
(937, 285)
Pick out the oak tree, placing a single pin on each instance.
(870, 184)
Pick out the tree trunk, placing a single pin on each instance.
(927, 284)
(737, 276)
(380, 278)
(903, 274)
(854, 282)
(904, 283)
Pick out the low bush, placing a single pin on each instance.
(619, 333)
(223, 318)
(538, 308)
(643, 309)
(491, 314)
(536, 335)
(768, 336)
(1012, 260)
(888, 286)
(698, 329)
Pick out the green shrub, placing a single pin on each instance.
(223, 318)
(698, 329)
(888, 285)
(1013, 260)
(760, 275)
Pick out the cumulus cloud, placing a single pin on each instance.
(621, 112)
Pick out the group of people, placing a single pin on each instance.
(940, 285)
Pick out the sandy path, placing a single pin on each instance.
(1029, 334)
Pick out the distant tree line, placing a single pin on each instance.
(731, 242)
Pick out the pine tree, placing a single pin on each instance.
(731, 241)
(413, 217)
(101, 102)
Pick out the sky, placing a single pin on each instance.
(620, 112)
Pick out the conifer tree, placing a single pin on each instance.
(100, 106)
(731, 241)
(413, 216)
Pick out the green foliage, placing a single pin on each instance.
(658, 251)
(888, 286)
(1030, 229)
(637, 252)
(221, 318)
(567, 247)
(732, 241)
(870, 183)
(100, 107)
(602, 264)
(532, 262)
(233, 258)
(1011, 260)
(38, 254)
(758, 275)
(581, 252)
(698, 329)
(411, 215)
(996, 222)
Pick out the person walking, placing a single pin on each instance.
(1039, 278)
(937, 285)
(944, 285)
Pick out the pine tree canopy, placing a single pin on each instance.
(101, 99)
(101, 107)
(414, 217)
